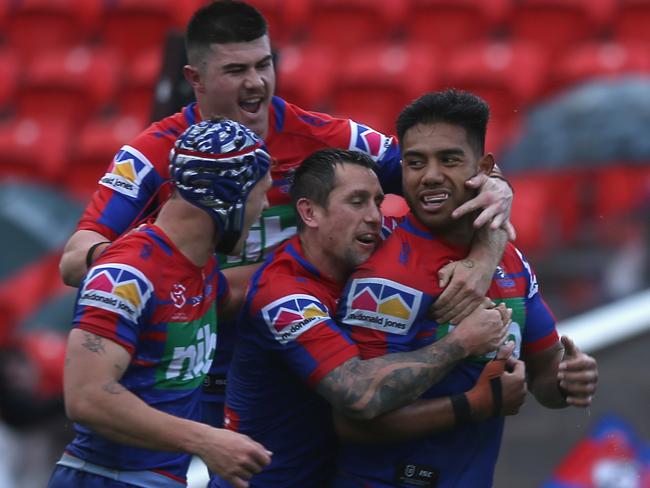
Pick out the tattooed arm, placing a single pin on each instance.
(367, 388)
(95, 398)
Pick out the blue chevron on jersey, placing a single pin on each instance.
(118, 288)
(291, 316)
(129, 168)
(368, 140)
(382, 304)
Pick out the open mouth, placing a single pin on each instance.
(433, 200)
(368, 239)
(251, 105)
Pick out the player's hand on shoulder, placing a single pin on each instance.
(577, 375)
(484, 330)
(235, 457)
(495, 199)
(464, 284)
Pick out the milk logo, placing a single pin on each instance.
(130, 167)
(117, 288)
(276, 225)
(382, 304)
(289, 317)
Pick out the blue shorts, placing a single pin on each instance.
(64, 477)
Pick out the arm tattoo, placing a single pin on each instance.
(94, 343)
(366, 389)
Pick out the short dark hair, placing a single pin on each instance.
(222, 22)
(453, 107)
(315, 178)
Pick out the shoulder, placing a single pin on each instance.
(154, 143)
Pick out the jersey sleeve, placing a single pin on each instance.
(540, 332)
(128, 188)
(348, 134)
(300, 328)
(114, 302)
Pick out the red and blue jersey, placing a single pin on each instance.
(146, 296)
(136, 182)
(287, 343)
(384, 309)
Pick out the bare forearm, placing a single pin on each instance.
(366, 389)
(117, 414)
(419, 419)
(487, 247)
(543, 382)
(73, 261)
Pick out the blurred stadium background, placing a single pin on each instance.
(568, 82)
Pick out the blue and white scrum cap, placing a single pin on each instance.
(214, 165)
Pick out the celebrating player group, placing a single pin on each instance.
(243, 299)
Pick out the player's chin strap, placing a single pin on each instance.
(227, 242)
(485, 399)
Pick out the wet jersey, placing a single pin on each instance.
(287, 343)
(146, 296)
(384, 309)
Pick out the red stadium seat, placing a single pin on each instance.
(450, 23)
(508, 76)
(33, 149)
(375, 83)
(37, 24)
(138, 89)
(94, 148)
(631, 20)
(305, 75)
(557, 24)
(287, 19)
(346, 24)
(621, 189)
(599, 59)
(548, 209)
(137, 26)
(9, 74)
(69, 84)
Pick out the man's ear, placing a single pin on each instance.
(308, 212)
(486, 163)
(193, 77)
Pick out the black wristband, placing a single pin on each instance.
(462, 410)
(91, 251)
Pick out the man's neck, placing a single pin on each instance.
(321, 260)
(190, 230)
(458, 232)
